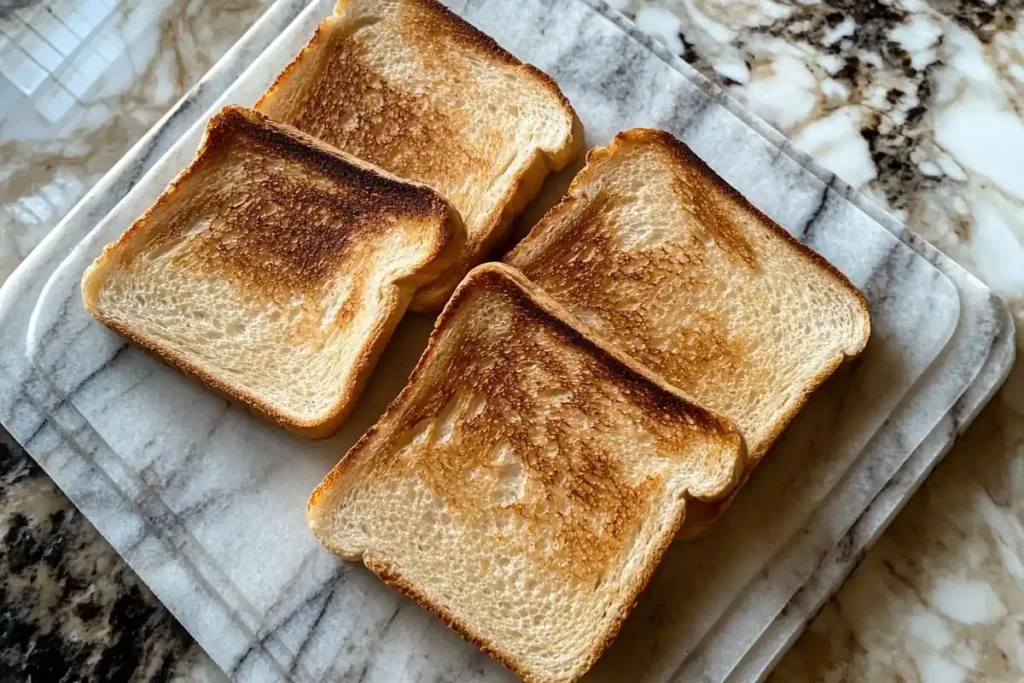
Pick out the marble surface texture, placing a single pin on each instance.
(914, 103)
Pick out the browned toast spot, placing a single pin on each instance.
(289, 215)
(576, 267)
(547, 410)
(527, 480)
(349, 105)
(276, 243)
(416, 90)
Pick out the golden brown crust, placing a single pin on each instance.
(320, 36)
(705, 347)
(532, 306)
(632, 592)
(688, 158)
(395, 580)
(331, 91)
(473, 38)
(347, 103)
(515, 199)
(318, 428)
(657, 395)
(316, 252)
(299, 260)
(702, 348)
(435, 14)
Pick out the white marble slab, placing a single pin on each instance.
(207, 502)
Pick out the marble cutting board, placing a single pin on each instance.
(207, 502)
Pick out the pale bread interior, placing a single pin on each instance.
(524, 484)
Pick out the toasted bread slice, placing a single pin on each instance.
(274, 268)
(414, 89)
(525, 483)
(665, 261)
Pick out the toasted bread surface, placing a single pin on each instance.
(414, 89)
(274, 268)
(662, 259)
(525, 483)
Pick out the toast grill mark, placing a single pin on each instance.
(547, 414)
(585, 265)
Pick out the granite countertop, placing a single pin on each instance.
(916, 103)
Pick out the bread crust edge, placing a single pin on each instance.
(395, 580)
(487, 275)
(448, 238)
(708, 512)
(525, 186)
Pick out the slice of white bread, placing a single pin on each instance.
(274, 268)
(665, 261)
(411, 87)
(526, 482)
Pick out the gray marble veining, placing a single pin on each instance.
(206, 502)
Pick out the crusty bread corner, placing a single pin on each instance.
(594, 236)
(641, 136)
(703, 514)
(547, 159)
(442, 231)
(435, 117)
(558, 155)
(405, 446)
(526, 187)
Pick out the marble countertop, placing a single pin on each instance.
(916, 103)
